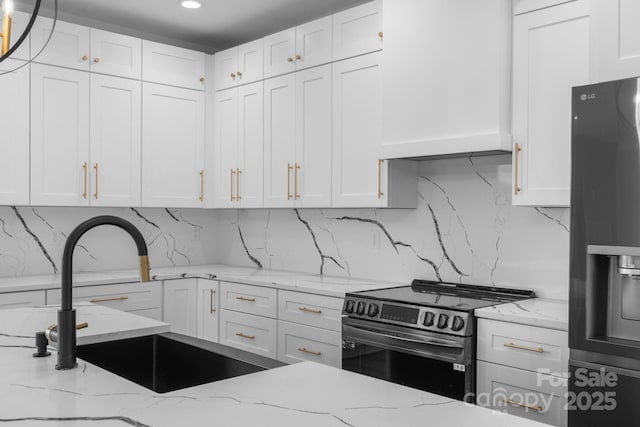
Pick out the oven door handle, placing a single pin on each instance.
(372, 334)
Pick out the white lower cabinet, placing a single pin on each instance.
(143, 299)
(297, 343)
(22, 299)
(208, 314)
(180, 303)
(249, 299)
(256, 334)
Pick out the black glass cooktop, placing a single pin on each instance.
(447, 295)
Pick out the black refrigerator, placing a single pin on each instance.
(604, 296)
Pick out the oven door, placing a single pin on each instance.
(438, 363)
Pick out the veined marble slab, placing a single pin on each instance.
(546, 313)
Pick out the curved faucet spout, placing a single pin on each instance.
(67, 315)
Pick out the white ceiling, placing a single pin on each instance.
(216, 26)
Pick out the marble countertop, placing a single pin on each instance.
(545, 313)
(323, 285)
(32, 392)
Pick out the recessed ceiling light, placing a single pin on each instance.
(190, 4)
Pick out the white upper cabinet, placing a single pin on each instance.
(14, 143)
(69, 45)
(446, 77)
(358, 30)
(171, 65)
(238, 65)
(172, 147)
(615, 39)
(115, 54)
(305, 46)
(59, 136)
(238, 147)
(550, 55)
(297, 146)
(19, 23)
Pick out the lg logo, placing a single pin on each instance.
(587, 96)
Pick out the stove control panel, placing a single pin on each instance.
(427, 318)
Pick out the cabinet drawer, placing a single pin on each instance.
(121, 296)
(251, 333)
(526, 347)
(313, 310)
(297, 343)
(22, 299)
(526, 394)
(249, 299)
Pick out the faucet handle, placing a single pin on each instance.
(51, 333)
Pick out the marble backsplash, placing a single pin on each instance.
(463, 230)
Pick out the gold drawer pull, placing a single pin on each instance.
(108, 299)
(524, 405)
(82, 325)
(310, 310)
(251, 337)
(304, 350)
(522, 347)
(246, 299)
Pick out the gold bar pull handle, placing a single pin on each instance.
(238, 172)
(516, 173)
(97, 300)
(310, 310)
(524, 347)
(84, 171)
(251, 337)
(95, 195)
(82, 325)
(246, 299)
(211, 309)
(233, 172)
(524, 405)
(289, 167)
(380, 193)
(295, 182)
(305, 350)
(380, 35)
(201, 185)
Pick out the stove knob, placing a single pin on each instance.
(428, 318)
(458, 323)
(360, 309)
(350, 306)
(373, 310)
(443, 320)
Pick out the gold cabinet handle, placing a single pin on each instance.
(289, 181)
(238, 172)
(524, 405)
(201, 185)
(96, 60)
(516, 186)
(84, 170)
(298, 57)
(85, 58)
(201, 79)
(380, 193)
(523, 347)
(289, 59)
(239, 74)
(310, 310)
(380, 34)
(305, 350)
(211, 309)
(233, 76)
(246, 299)
(251, 337)
(231, 184)
(96, 300)
(95, 167)
(295, 182)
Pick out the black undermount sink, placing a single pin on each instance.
(169, 362)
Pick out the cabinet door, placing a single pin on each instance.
(115, 54)
(208, 310)
(19, 23)
(14, 144)
(250, 62)
(116, 108)
(225, 69)
(172, 147)
(180, 305)
(550, 55)
(172, 65)
(358, 176)
(313, 43)
(279, 141)
(312, 174)
(69, 45)
(357, 30)
(249, 177)
(225, 148)
(59, 136)
(615, 39)
(279, 53)
(22, 299)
